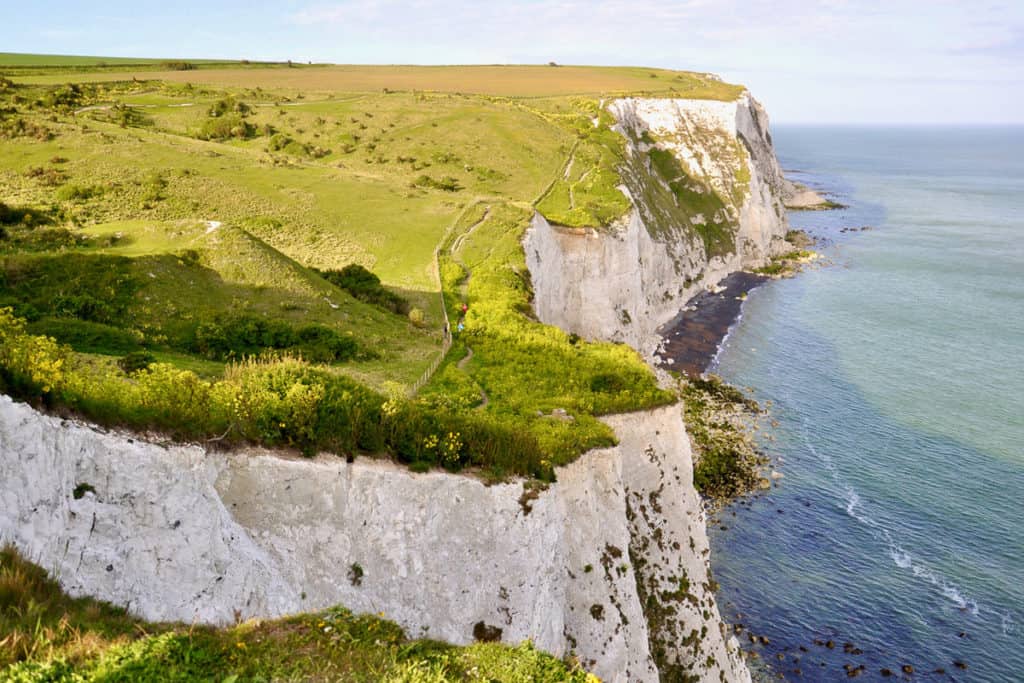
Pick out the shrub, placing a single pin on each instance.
(87, 336)
(14, 215)
(366, 286)
(84, 307)
(126, 116)
(100, 288)
(248, 335)
(272, 402)
(228, 105)
(30, 366)
(49, 177)
(135, 361)
(321, 344)
(447, 183)
(226, 127)
(44, 239)
(74, 193)
(65, 97)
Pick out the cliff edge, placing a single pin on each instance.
(707, 199)
(182, 533)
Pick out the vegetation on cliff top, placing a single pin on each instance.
(201, 218)
(49, 636)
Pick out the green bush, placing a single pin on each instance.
(228, 105)
(284, 402)
(87, 336)
(135, 361)
(20, 215)
(177, 65)
(84, 307)
(249, 335)
(447, 183)
(75, 193)
(226, 127)
(366, 286)
(40, 239)
(94, 287)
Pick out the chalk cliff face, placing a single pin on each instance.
(179, 533)
(706, 190)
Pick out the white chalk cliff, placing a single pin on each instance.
(180, 533)
(610, 563)
(622, 282)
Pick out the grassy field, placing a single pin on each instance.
(51, 637)
(187, 215)
(499, 80)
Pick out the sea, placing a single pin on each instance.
(894, 371)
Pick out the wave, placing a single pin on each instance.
(902, 558)
(723, 342)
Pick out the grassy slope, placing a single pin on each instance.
(48, 636)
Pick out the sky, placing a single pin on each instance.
(808, 61)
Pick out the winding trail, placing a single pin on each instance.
(461, 365)
(446, 343)
(464, 291)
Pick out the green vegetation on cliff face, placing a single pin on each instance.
(727, 461)
(586, 193)
(53, 638)
(262, 241)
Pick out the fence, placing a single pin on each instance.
(446, 343)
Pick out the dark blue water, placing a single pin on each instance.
(896, 374)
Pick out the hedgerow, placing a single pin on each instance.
(276, 402)
(237, 336)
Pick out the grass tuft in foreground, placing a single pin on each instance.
(47, 636)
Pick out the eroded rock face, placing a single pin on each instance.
(623, 282)
(180, 533)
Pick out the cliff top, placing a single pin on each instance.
(188, 234)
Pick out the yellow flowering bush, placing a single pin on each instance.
(29, 360)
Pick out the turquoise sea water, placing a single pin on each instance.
(897, 376)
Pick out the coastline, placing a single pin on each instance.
(692, 339)
(849, 567)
